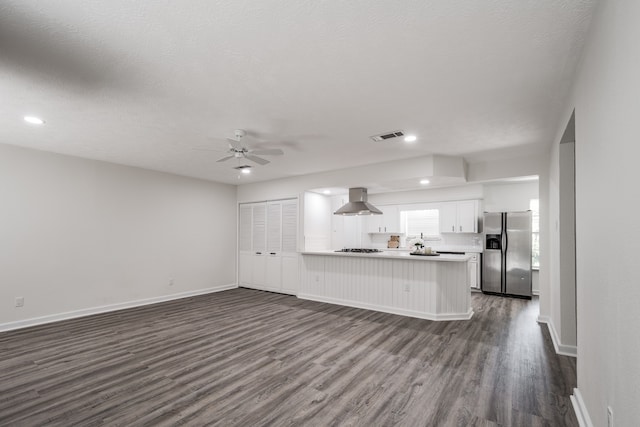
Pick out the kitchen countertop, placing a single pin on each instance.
(397, 254)
(443, 248)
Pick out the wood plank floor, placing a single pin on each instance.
(252, 358)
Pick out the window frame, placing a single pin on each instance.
(534, 206)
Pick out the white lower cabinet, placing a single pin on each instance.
(424, 288)
(245, 272)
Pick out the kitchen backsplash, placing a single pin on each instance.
(463, 241)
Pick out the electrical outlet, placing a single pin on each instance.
(19, 301)
(317, 278)
(171, 281)
(406, 287)
(609, 416)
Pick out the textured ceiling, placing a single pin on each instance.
(144, 82)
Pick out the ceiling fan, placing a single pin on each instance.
(238, 151)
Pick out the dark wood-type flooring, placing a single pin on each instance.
(252, 358)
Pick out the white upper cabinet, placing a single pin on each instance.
(448, 217)
(459, 217)
(388, 222)
(468, 216)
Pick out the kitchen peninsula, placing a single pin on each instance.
(426, 287)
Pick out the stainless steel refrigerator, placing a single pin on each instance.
(506, 261)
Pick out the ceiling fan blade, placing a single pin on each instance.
(225, 158)
(268, 152)
(258, 160)
(235, 144)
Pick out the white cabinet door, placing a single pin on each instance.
(245, 268)
(459, 217)
(274, 227)
(259, 228)
(448, 217)
(391, 219)
(245, 245)
(290, 226)
(473, 268)
(258, 271)
(289, 259)
(273, 271)
(388, 222)
(372, 223)
(258, 245)
(273, 277)
(244, 228)
(467, 216)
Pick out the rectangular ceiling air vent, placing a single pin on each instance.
(388, 135)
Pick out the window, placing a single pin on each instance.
(418, 223)
(534, 205)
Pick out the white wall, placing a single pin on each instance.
(545, 243)
(480, 169)
(77, 234)
(567, 239)
(606, 97)
(507, 197)
(558, 303)
(427, 195)
(317, 222)
(553, 297)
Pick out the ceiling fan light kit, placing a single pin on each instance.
(239, 151)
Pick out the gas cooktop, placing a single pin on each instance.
(359, 250)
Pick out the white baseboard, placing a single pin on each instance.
(391, 310)
(580, 409)
(19, 324)
(562, 349)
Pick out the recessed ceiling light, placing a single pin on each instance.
(327, 191)
(424, 181)
(33, 120)
(410, 138)
(246, 171)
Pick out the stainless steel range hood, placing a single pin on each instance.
(358, 204)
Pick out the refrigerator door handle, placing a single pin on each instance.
(505, 235)
(503, 246)
(505, 243)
